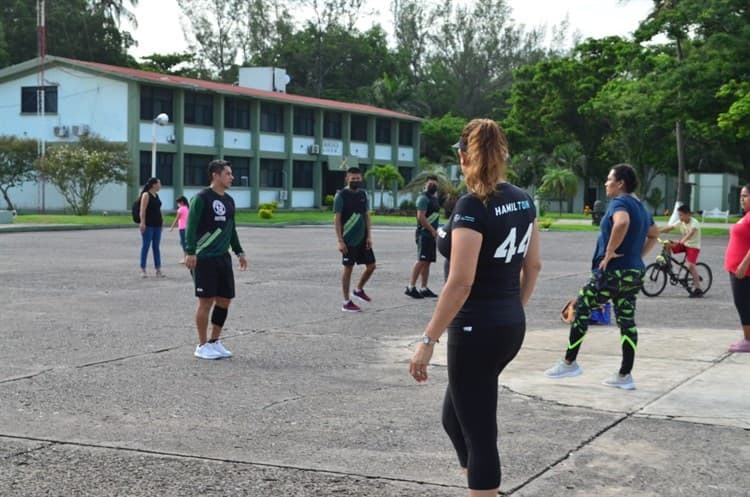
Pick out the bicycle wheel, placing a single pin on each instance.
(654, 280)
(706, 278)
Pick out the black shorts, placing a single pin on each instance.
(358, 254)
(214, 277)
(426, 248)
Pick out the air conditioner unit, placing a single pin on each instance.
(80, 130)
(60, 131)
(313, 149)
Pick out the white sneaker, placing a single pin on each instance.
(218, 347)
(625, 382)
(563, 369)
(206, 351)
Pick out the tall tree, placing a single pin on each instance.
(75, 28)
(213, 36)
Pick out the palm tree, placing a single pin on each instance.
(115, 10)
(559, 183)
(385, 176)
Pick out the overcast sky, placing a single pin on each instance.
(159, 29)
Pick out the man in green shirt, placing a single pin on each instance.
(209, 234)
(428, 217)
(352, 222)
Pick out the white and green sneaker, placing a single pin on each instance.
(563, 369)
(618, 381)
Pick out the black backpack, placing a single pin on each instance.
(136, 210)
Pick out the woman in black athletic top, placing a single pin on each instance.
(492, 244)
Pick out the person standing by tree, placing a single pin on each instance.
(492, 243)
(210, 233)
(352, 222)
(428, 216)
(737, 263)
(627, 233)
(151, 225)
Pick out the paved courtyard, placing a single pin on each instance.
(100, 394)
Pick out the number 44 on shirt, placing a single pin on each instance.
(508, 248)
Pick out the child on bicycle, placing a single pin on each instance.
(689, 243)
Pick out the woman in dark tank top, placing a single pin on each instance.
(151, 225)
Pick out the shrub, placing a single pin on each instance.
(268, 206)
(545, 223)
(265, 213)
(328, 200)
(407, 205)
(587, 210)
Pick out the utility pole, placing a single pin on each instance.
(41, 40)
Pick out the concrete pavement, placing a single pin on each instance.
(100, 394)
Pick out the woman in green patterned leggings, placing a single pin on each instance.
(627, 233)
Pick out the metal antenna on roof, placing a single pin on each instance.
(41, 41)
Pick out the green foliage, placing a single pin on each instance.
(558, 183)
(268, 206)
(265, 213)
(17, 158)
(407, 205)
(439, 134)
(80, 170)
(736, 119)
(544, 222)
(78, 29)
(328, 200)
(654, 198)
(385, 176)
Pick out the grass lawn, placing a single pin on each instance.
(309, 217)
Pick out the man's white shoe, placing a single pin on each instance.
(218, 347)
(206, 351)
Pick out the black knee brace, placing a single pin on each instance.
(218, 316)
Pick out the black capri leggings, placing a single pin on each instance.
(475, 359)
(741, 294)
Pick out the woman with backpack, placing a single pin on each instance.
(150, 224)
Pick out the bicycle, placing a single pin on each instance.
(657, 273)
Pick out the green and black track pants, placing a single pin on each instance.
(621, 286)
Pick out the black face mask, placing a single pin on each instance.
(432, 189)
(353, 185)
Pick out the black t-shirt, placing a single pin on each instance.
(506, 225)
(153, 211)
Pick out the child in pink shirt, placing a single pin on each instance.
(180, 221)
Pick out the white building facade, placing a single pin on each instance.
(286, 148)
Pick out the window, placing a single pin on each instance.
(303, 174)
(195, 170)
(382, 131)
(271, 118)
(240, 170)
(359, 129)
(164, 162)
(304, 122)
(30, 102)
(407, 173)
(199, 109)
(332, 125)
(271, 173)
(405, 134)
(154, 101)
(236, 113)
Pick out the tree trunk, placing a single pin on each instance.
(7, 199)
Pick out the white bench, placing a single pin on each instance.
(716, 213)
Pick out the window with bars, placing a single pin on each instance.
(30, 99)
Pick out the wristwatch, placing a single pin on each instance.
(428, 341)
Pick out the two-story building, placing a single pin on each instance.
(283, 147)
